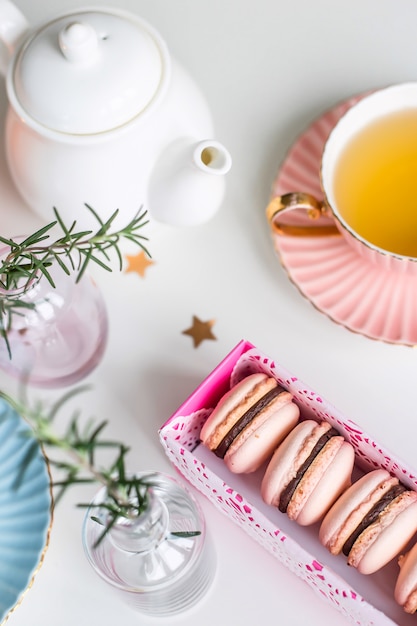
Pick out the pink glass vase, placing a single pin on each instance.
(56, 335)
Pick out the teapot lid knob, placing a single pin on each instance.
(78, 42)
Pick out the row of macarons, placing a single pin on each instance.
(309, 468)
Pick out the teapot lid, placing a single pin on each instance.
(89, 72)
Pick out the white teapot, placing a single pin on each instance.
(100, 114)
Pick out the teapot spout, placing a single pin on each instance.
(188, 184)
(13, 26)
(212, 157)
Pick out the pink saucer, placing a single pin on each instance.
(327, 271)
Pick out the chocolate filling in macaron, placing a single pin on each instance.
(373, 515)
(246, 419)
(289, 490)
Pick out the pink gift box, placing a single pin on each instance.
(366, 600)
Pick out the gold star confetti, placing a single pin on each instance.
(199, 331)
(138, 263)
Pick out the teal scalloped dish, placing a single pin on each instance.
(25, 508)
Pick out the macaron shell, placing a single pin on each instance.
(312, 476)
(405, 591)
(388, 541)
(349, 510)
(286, 460)
(233, 405)
(331, 481)
(259, 440)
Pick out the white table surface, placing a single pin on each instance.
(267, 68)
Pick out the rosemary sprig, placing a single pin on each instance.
(126, 495)
(73, 251)
(32, 258)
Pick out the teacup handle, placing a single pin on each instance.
(299, 200)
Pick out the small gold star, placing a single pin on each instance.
(199, 331)
(138, 263)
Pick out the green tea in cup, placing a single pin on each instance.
(375, 182)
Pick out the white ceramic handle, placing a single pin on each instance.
(13, 25)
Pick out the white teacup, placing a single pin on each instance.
(369, 181)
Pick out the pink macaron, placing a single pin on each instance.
(308, 471)
(249, 422)
(405, 592)
(371, 522)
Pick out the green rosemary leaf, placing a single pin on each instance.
(8, 242)
(36, 238)
(119, 464)
(135, 240)
(136, 237)
(89, 256)
(81, 234)
(72, 431)
(103, 247)
(107, 528)
(65, 230)
(4, 335)
(73, 481)
(84, 264)
(69, 257)
(61, 263)
(120, 258)
(65, 399)
(42, 265)
(96, 215)
(105, 226)
(68, 466)
(141, 493)
(97, 431)
(113, 508)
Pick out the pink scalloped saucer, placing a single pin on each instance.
(327, 271)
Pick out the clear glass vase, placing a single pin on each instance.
(150, 560)
(56, 335)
